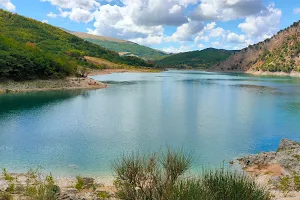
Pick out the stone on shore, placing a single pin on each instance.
(3, 185)
(287, 156)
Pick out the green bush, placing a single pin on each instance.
(5, 196)
(150, 176)
(161, 176)
(79, 185)
(228, 185)
(41, 190)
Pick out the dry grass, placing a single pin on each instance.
(86, 35)
(106, 64)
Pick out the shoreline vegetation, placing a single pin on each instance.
(270, 175)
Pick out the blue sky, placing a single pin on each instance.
(168, 25)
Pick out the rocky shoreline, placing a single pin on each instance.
(70, 83)
(278, 171)
(265, 73)
(28, 185)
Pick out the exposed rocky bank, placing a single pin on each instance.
(279, 171)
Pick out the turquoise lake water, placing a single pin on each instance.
(216, 117)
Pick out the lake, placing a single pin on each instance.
(216, 117)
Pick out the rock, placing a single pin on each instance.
(275, 180)
(22, 180)
(259, 159)
(65, 197)
(72, 191)
(68, 197)
(73, 198)
(287, 156)
(286, 144)
(3, 185)
(88, 182)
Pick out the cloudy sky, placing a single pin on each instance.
(168, 25)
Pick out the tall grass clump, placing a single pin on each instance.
(219, 185)
(150, 176)
(161, 176)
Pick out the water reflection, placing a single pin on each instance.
(215, 116)
(21, 101)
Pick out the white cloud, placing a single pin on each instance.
(210, 26)
(7, 5)
(143, 21)
(180, 49)
(114, 21)
(45, 21)
(235, 38)
(81, 15)
(264, 25)
(201, 38)
(215, 44)
(297, 10)
(186, 31)
(63, 14)
(175, 9)
(52, 15)
(70, 4)
(217, 32)
(201, 46)
(155, 12)
(225, 10)
(150, 40)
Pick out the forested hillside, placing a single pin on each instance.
(30, 49)
(124, 48)
(281, 53)
(196, 59)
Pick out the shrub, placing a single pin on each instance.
(155, 176)
(6, 175)
(150, 176)
(79, 185)
(41, 190)
(228, 185)
(296, 182)
(5, 196)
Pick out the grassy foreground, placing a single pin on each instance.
(155, 176)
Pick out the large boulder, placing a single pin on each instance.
(286, 144)
(3, 185)
(87, 182)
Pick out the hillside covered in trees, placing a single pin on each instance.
(281, 53)
(196, 59)
(124, 48)
(30, 49)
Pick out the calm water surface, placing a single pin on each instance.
(215, 116)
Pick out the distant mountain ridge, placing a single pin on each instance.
(203, 59)
(281, 53)
(123, 47)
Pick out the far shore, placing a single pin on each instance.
(133, 70)
(88, 83)
(265, 73)
(69, 83)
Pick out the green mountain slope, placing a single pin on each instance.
(281, 53)
(196, 59)
(30, 49)
(124, 48)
